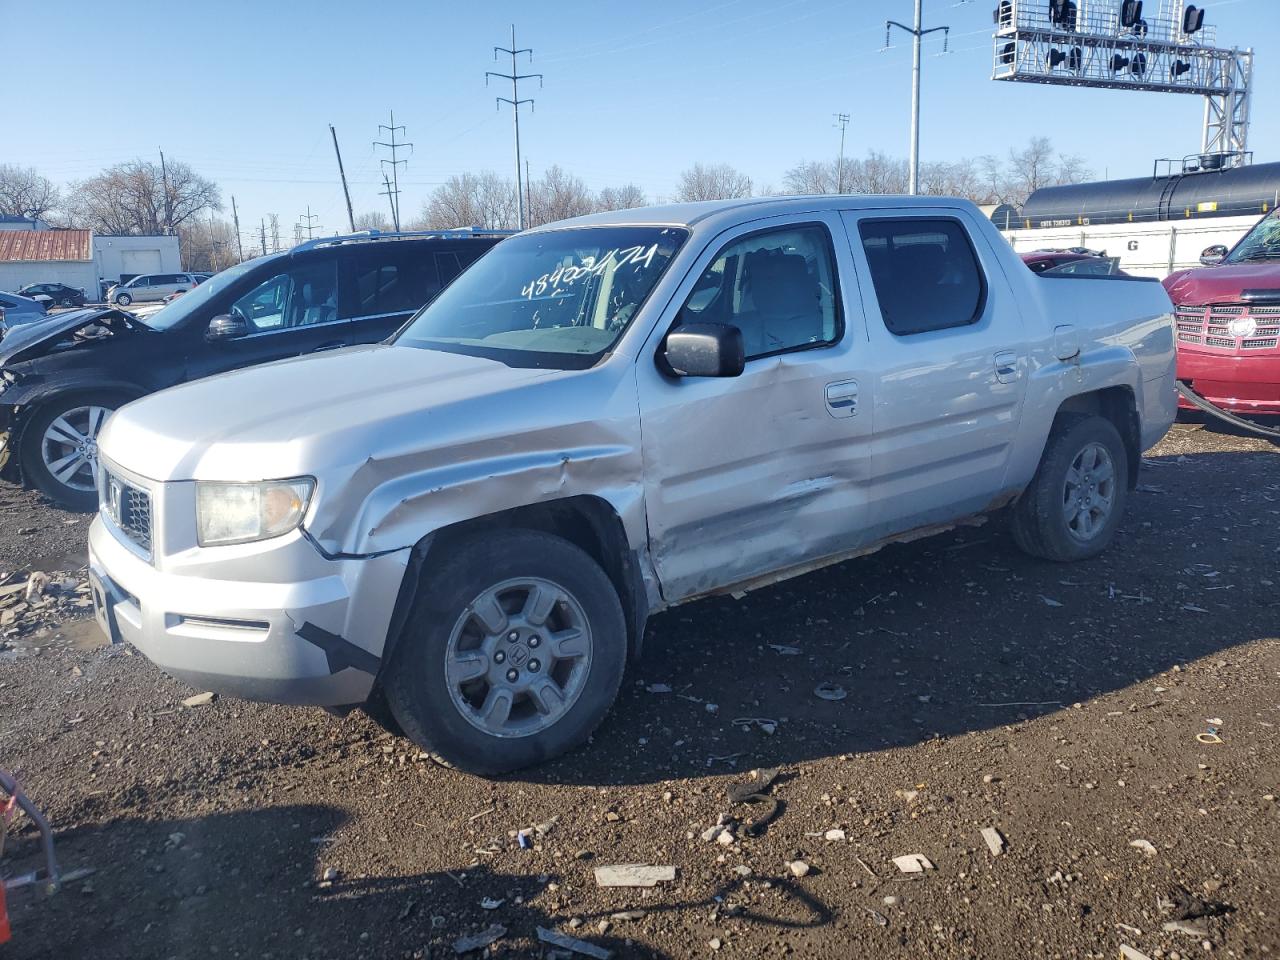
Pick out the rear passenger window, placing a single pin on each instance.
(925, 273)
(395, 282)
(778, 288)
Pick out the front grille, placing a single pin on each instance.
(1210, 327)
(129, 508)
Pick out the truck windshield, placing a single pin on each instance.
(558, 299)
(173, 314)
(1260, 243)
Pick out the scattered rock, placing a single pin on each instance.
(573, 944)
(798, 868)
(890, 901)
(830, 691)
(478, 941)
(37, 583)
(714, 943)
(330, 874)
(1146, 846)
(994, 840)
(1128, 953)
(835, 834)
(488, 903)
(199, 700)
(633, 875)
(1192, 928)
(627, 915)
(659, 688)
(913, 863)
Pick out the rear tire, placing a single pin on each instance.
(513, 654)
(1076, 500)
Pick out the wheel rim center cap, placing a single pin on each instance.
(517, 655)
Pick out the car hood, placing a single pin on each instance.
(29, 340)
(1221, 284)
(304, 416)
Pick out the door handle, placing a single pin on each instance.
(331, 345)
(1006, 362)
(842, 398)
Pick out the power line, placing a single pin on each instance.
(515, 102)
(394, 162)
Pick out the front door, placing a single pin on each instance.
(750, 475)
(951, 365)
(291, 313)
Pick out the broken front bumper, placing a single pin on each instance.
(1239, 384)
(313, 640)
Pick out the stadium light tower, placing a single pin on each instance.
(1115, 45)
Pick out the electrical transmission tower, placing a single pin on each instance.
(515, 102)
(918, 33)
(395, 163)
(842, 121)
(309, 226)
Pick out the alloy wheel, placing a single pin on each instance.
(69, 447)
(1088, 495)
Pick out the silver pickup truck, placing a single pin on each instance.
(600, 419)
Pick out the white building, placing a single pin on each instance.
(9, 221)
(121, 258)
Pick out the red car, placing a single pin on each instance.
(1228, 322)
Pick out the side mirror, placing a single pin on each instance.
(704, 350)
(226, 326)
(1212, 256)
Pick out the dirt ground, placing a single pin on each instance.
(1059, 704)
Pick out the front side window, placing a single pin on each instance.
(559, 298)
(301, 297)
(925, 273)
(778, 288)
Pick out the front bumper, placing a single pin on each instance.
(313, 640)
(1239, 384)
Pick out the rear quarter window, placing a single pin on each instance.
(925, 274)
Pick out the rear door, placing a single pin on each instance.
(950, 365)
(384, 283)
(750, 475)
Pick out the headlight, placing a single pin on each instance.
(243, 512)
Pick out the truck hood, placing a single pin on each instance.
(303, 416)
(29, 340)
(1222, 284)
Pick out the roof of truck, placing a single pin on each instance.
(690, 214)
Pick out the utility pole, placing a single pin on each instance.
(515, 102)
(309, 227)
(918, 33)
(351, 217)
(842, 121)
(395, 163)
(213, 245)
(390, 195)
(528, 188)
(235, 217)
(263, 228)
(168, 205)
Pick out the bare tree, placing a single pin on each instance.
(814, 176)
(558, 195)
(624, 197)
(374, 221)
(130, 198)
(716, 181)
(24, 193)
(471, 200)
(207, 246)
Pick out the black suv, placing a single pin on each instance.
(59, 294)
(61, 377)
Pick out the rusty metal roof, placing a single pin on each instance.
(45, 245)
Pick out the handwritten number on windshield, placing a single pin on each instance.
(562, 276)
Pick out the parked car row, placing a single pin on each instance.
(16, 309)
(63, 377)
(471, 515)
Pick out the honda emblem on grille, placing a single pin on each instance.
(113, 498)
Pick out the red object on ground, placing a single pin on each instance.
(4, 919)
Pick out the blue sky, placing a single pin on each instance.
(634, 92)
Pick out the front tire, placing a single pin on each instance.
(1076, 501)
(123, 299)
(60, 448)
(513, 654)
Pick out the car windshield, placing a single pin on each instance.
(176, 312)
(1260, 243)
(556, 299)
